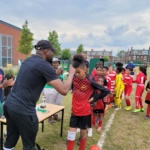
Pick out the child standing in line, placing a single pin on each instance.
(112, 75)
(147, 100)
(140, 80)
(128, 79)
(98, 109)
(108, 79)
(82, 89)
(119, 87)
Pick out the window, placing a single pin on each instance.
(5, 50)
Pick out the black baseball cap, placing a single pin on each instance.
(44, 44)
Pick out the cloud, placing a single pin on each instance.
(116, 30)
(97, 24)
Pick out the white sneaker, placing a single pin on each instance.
(118, 108)
(90, 133)
(78, 129)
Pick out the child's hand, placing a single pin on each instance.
(59, 71)
(7, 83)
(91, 100)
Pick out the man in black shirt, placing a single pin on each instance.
(19, 108)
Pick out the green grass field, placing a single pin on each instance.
(128, 131)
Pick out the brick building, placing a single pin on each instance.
(9, 37)
(99, 54)
(136, 55)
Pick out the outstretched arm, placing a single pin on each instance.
(99, 95)
(63, 87)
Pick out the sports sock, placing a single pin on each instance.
(82, 144)
(70, 145)
(140, 101)
(100, 123)
(148, 110)
(137, 102)
(128, 102)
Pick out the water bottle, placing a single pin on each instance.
(43, 105)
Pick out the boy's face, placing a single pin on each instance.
(55, 64)
(99, 71)
(110, 68)
(101, 81)
(105, 71)
(80, 73)
(128, 71)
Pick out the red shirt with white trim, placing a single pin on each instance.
(140, 79)
(127, 79)
(108, 79)
(112, 76)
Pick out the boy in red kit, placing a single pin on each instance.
(147, 101)
(140, 79)
(112, 75)
(82, 90)
(98, 109)
(106, 75)
(128, 79)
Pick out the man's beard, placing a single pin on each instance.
(50, 61)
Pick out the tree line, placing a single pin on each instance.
(25, 45)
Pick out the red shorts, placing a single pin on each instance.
(127, 90)
(139, 91)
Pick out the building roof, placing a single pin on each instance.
(10, 25)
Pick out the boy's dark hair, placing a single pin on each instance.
(123, 69)
(130, 68)
(142, 68)
(8, 89)
(105, 67)
(99, 66)
(119, 64)
(78, 61)
(99, 63)
(119, 69)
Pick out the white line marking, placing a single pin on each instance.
(103, 135)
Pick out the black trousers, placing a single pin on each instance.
(20, 125)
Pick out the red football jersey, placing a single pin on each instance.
(81, 93)
(127, 79)
(140, 79)
(112, 76)
(108, 79)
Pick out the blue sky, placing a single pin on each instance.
(97, 24)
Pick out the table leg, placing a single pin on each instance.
(62, 121)
(1, 136)
(42, 126)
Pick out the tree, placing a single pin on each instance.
(25, 43)
(120, 53)
(80, 49)
(106, 58)
(66, 55)
(53, 39)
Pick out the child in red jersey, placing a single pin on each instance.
(140, 80)
(108, 79)
(112, 75)
(82, 90)
(147, 100)
(98, 108)
(128, 79)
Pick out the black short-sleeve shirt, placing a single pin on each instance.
(34, 73)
